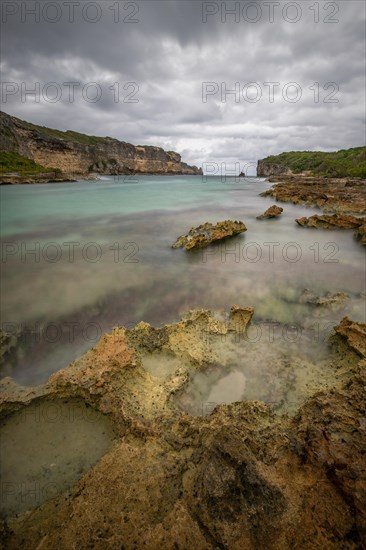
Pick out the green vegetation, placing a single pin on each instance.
(343, 163)
(69, 135)
(12, 162)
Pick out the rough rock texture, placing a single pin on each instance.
(44, 177)
(78, 158)
(355, 334)
(309, 297)
(241, 477)
(271, 212)
(205, 234)
(342, 195)
(338, 221)
(7, 343)
(325, 221)
(360, 233)
(265, 169)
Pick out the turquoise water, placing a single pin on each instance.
(102, 257)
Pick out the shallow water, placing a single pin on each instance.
(283, 368)
(102, 257)
(49, 446)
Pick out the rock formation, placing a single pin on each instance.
(360, 233)
(271, 212)
(79, 155)
(338, 221)
(205, 234)
(341, 195)
(338, 299)
(266, 169)
(240, 477)
(324, 221)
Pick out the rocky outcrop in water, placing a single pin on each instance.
(338, 195)
(334, 300)
(79, 155)
(360, 233)
(330, 222)
(240, 477)
(207, 233)
(44, 177)
(271, 212)
(338, 221)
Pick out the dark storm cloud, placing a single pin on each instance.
(160, 63)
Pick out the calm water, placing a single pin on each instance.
(80, 258)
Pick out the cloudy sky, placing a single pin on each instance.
(161, 73)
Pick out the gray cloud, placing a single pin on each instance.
(168, 55)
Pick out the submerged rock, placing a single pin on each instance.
(240, 477)
(271, 212)
(360, 233)
(340, 221)
(207, 233)
(337, 299)
(324, 221)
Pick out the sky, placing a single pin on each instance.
(222, 83)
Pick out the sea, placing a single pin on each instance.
(78, 259)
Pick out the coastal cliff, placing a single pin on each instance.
(266, 169)
(338, 164)
(73, 155)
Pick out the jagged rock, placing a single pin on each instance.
(342, 195)
(354, 333)
(207, 233)
(241, 477)
(240, 318)
(341, 221)
(7, 343)
(265, 169)
(309, 297)
(271, 212)
(360, 233)
(47, 177)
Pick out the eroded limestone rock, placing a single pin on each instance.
(339, 195)
(240, 477)
(340, 221)
(329, 299)
(207, 233)
(271, 212)
(360, 233)
(354, 333)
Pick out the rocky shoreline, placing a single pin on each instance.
(47, 177)
(332, 195)
(338, 198)
(240, 477)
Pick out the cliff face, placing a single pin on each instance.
(78, 154)
(266, 169)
